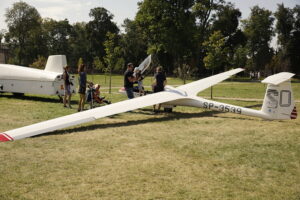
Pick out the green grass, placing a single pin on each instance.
(230, 89)
(118, 80)
(189, 154)
(245, 90)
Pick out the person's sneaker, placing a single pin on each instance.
(65, 106)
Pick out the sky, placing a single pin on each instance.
(75, 10)
(78, 10)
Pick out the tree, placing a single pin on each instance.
(57, 35)
(79, 43)
(97, 29)
(39, 63)
(204, 10)
(278, 63)
(113, 54)
(133, 44)
(294, 43)
(239, 59)
(288, 30)
(227, 21)
(284, 25)
(24, 25)
(185, 72)
(216, 55)
(258, 30)
(98, 64)
(168, 27)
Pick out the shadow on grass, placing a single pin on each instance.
(165, 117)
(253, 106)
(36, 98)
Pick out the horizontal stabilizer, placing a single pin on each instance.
(276, 79)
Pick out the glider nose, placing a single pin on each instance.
(4, 137)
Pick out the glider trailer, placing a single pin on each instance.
(278, 104)
(19, 80)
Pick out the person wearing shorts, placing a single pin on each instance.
(129, 79)
(82, 86)
(67, 87)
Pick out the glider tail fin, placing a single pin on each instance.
(279, 100)
(56, 63)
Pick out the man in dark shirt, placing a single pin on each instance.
(160, 80)
(67, 87)
(129, 79)
(159, 83)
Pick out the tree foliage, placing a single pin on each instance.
(168, 27)
(24, 24)
(57, 35)
(39, 63)
(285, 24)
(113, 55)
(227, 20)
(187, 37)
(259, 31)
(97, 29)
(288, 30)
(216, 56)
(133, 44)
(78, 43)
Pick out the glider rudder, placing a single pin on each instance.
(279, 100)
(56, 63)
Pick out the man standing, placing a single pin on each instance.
(129, 79)
(67, 87)
(159, 83)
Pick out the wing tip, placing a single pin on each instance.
(5, 138)
(240, 69)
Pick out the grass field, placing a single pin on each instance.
(191, 153)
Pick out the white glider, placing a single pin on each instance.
(278, 104)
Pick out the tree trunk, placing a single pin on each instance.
(110, 80)
(211, 88)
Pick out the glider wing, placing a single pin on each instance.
(89, 115)
(202, 84)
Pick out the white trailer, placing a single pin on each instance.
(20, 80)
